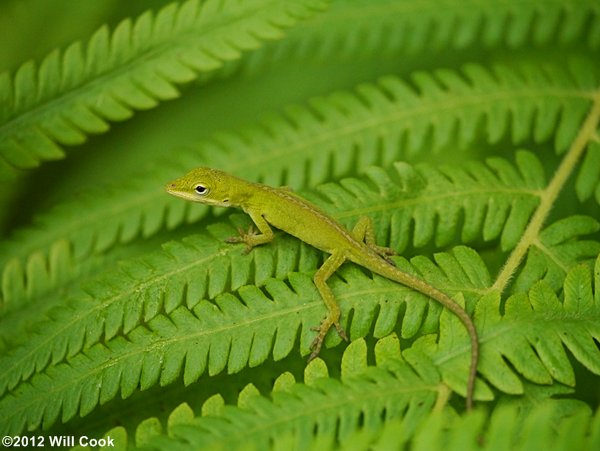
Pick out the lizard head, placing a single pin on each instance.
(204, 185)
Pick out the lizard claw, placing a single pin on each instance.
(322, 330)
(315, 347)
(341, 332)
(236, 239)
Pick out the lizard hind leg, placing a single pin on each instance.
(365, 232)
(332, 318)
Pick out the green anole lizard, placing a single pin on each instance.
(285, 210)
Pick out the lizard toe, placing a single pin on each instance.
(341, 332)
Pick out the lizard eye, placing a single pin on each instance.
(201, 189)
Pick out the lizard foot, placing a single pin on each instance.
(244, 237)
(315, 347)
(384, 252)
(322, 333)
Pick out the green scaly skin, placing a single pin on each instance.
(284, 210)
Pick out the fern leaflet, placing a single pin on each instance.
(557, 425)
(588, 177)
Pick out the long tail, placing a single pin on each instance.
(411, 281)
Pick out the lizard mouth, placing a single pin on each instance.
(172, 189)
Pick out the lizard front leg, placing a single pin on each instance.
(251, 238)
(330, 266)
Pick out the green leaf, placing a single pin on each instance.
(544, 426)
(332, 408)
(530, 339)
(560, 247)
(78, 92)
(133, 294)
(486, 201)
(228, 334)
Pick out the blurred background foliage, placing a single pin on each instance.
(318, 57)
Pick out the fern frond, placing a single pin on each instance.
(235, 331)
(56, 248)
(359, 29)
(557, 425)
(377, 124)
(529, 340)
(332, 408)
(79, 91)
(559, 248)
(494, 199)
(354, 365)
(52, 289)
(230, 334)
(552, 424)
(193, 344)
(118, 301)
(570, 420)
